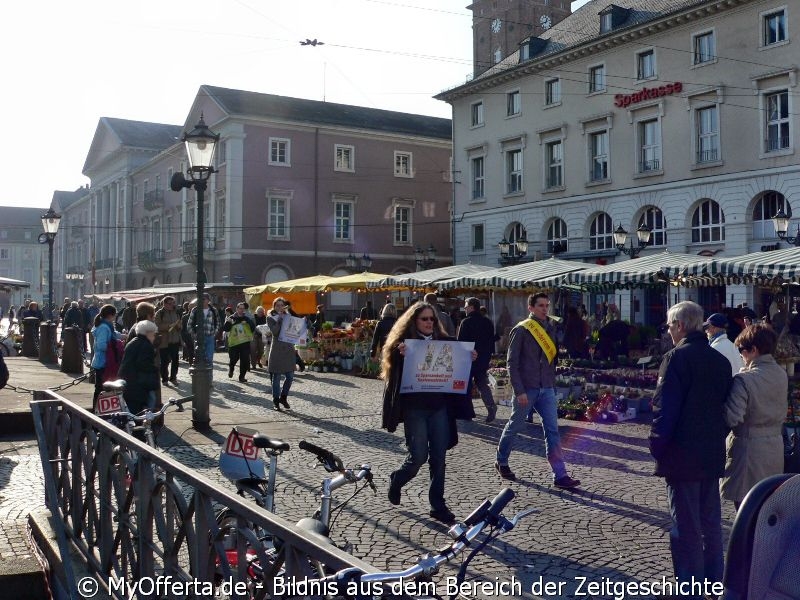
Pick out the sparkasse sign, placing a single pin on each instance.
(625, 100)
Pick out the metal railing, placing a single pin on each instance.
(649, 165)
(704, 156)
(776, 143)
(150, 258)
(133, 512)
(190, 248)
(153, 199)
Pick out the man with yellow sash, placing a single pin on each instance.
(532, 353)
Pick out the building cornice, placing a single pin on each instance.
(589, 48)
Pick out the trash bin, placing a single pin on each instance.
(47, 343)
(71, 355)
(30, 337)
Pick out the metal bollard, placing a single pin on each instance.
(47, 343)
(71, 356)
(30, 337)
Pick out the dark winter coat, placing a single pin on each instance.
(479, 329)
(687, 438)
(459, 406)
(139, 371)
(382, 330)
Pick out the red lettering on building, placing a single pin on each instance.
(625, 100)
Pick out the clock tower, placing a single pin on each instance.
(498, 26)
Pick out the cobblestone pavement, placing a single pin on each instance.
(613, 529)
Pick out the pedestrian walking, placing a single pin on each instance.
(532, 353)
(687, 441)
(169, 343)
(576, 334)
(205, 322)
(479, 329)
(257, 345)
(367, 311)
(443, 317)
(281, 359)
(240, 329)
(186, 336)
(11, 314)
(755, 411)
(139, 370)
(717, 334)
(129, 316)
(429, 419)
(105, 349)
(382, 329)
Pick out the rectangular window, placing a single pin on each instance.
(606, 22)
(155, 235)
(278, 218)
(513, 104)
(168, 235)
(477, 114)
(403, 166)
(704, 48)
(343, 221)
(778, 132)
(646, 64)
(344, 158)
(599, 155)
(707, 134)
(552, 92)
(221, 153)
(555, 164)
(4, 254)
(477, 177)
(513, 171)
(597, 79)
(649, 146)
(280, 152)
(220, 214)
(477, 238)
(402, 225)
(775, 27)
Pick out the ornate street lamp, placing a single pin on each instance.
(512, 252)
(50, 222)
(781, 221)
(366, 262)
(200, 143)
(621, 238)
(424, 258)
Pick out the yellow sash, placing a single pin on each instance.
(540, 335)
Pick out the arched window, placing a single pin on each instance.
(515, 231)
(276, 275)
(766, 207)
(708, 223)
(654, 219)
(601, 233)
(557, 236)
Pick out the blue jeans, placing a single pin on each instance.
(276, 384)
(427, 437)
(209, 349)
(543, 401)
(695, 538)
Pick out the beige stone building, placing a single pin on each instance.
(676, 114)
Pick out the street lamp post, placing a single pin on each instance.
(50, 222)
(200, 145)
(424, 258)
(781, 221)
(621, 238)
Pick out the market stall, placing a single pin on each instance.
(424, 280)
(514, 277)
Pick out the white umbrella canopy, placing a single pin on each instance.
(6, 283)
(513, 277)
(627, 274)
(427, 279)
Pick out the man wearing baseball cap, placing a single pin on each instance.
(716, 332)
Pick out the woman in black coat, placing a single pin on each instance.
(428, 418)
(139, 369)
(382, 329)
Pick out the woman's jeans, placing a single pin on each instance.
(276, 384)
(427, 437)
(543, 401)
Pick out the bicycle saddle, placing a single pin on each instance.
(118, 385)
(316, 528)
(262, 441)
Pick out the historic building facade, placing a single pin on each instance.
(677, 115)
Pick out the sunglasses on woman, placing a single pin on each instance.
(426, 318)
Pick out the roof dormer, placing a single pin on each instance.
(611, 17)
(530, 47)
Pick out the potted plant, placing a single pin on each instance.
(563, 386)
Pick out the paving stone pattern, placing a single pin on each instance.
(614, 527)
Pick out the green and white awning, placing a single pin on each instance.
(424, 279)
(772, 267)
(514, 277)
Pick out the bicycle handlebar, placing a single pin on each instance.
(327, 459)
(488, 513)
(148, 415)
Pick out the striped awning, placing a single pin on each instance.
(772, 267)
(424, 279)
(8, 284)
(644, 271)
(514, 277)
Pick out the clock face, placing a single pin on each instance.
(496, 25)
(545, 21)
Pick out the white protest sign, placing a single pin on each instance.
(436, 366)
